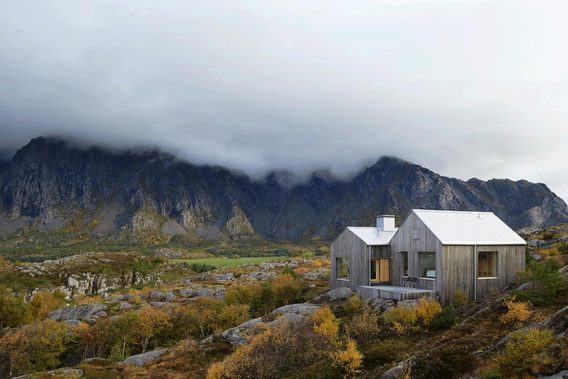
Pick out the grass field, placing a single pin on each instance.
(225, 262)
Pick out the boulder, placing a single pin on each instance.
(124, 306)
(84, 312)
(318, 274)
(380, 305)
(560, 375)
(262, 275)
(295, 312)
(158, 304)
(169, 297)
(227, 277)
(335, 295)
(156, 296)
(267, 266)
(144, 358)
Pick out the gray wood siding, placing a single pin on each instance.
(414, 237)
(460, 269)
(348, 245)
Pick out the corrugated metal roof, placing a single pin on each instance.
(372, 236)
(468, 228)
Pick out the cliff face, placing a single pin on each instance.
(48, 182)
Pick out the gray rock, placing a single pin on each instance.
(321, 273)
(169, 297)
(380, 305)
(295, 312)
(335, 295)
(156, 296)
(558, 321)
(267, 266)
(536, 243)
(205, 292)
(187, 292)
(524, 286)
(262, 275)
(397, 371)
(144, 358)
(560, 375)
(80, 312)
(125, 306)
(225, 277)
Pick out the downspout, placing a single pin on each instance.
(474, 272)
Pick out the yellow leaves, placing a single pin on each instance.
(522, 351)
(460, 297)
(427, 309)
(517, 312)
(44, 302)
(401, 318)
(325, 323)
(349, 360)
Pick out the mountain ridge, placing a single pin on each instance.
(48, 181)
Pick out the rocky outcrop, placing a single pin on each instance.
(48, 182)
(335, 295)
(144, 358)
(89, 313)
(290, 313)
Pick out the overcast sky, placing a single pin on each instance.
(465, 88)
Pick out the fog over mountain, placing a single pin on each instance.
(465, 88)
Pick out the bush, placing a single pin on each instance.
(445, 362)
(364, 326)
(522, 351)
(517, 313)
(13, 310)
(325, 323)
(460, 297)
(348, 361)
(400, 318)
(44, 302)
(548, 285)
(427, 310)
(351, 307)
(201, 267)
(265, 297)
(445, 319)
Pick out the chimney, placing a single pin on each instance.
(385, 223)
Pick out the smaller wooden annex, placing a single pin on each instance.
(433, 253)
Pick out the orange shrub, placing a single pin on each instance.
(401, 318)
(517, 312)
(427, 309)
(325, 323)
(348, 361)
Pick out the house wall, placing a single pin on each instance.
(460, 269)
(348, 245)
(414, 237)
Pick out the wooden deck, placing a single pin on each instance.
(393, 292)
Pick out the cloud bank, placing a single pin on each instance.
(465, 88)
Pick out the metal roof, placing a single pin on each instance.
(468, 228)
(372, 236)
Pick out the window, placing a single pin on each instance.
(427, 264)
(342, 268)
(404, 255)
(487, 264)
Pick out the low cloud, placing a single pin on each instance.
(465, 88)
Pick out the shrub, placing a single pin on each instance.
(427, 309)
(444, 362)
(400, 318)
(445, 319)
(44, 302)
(522, 351)
(364, 326)
(201, 267)
(517, 312)
(548, 285)
(348, 361)
(351, 307)
(13, 310)
(325, 323)
(460, 297)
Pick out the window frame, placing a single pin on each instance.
(493, 266)
(338, 267)
(420, 255)
(405, 265)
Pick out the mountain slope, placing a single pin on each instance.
(50, 184)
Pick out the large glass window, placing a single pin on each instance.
(427, 264)
(404, 256)
(342, 268)
(486, 264)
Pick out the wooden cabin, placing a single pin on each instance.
(433, 253)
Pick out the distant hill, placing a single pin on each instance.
(50, 184)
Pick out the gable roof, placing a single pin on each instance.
(372, 236)
(468, 228)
